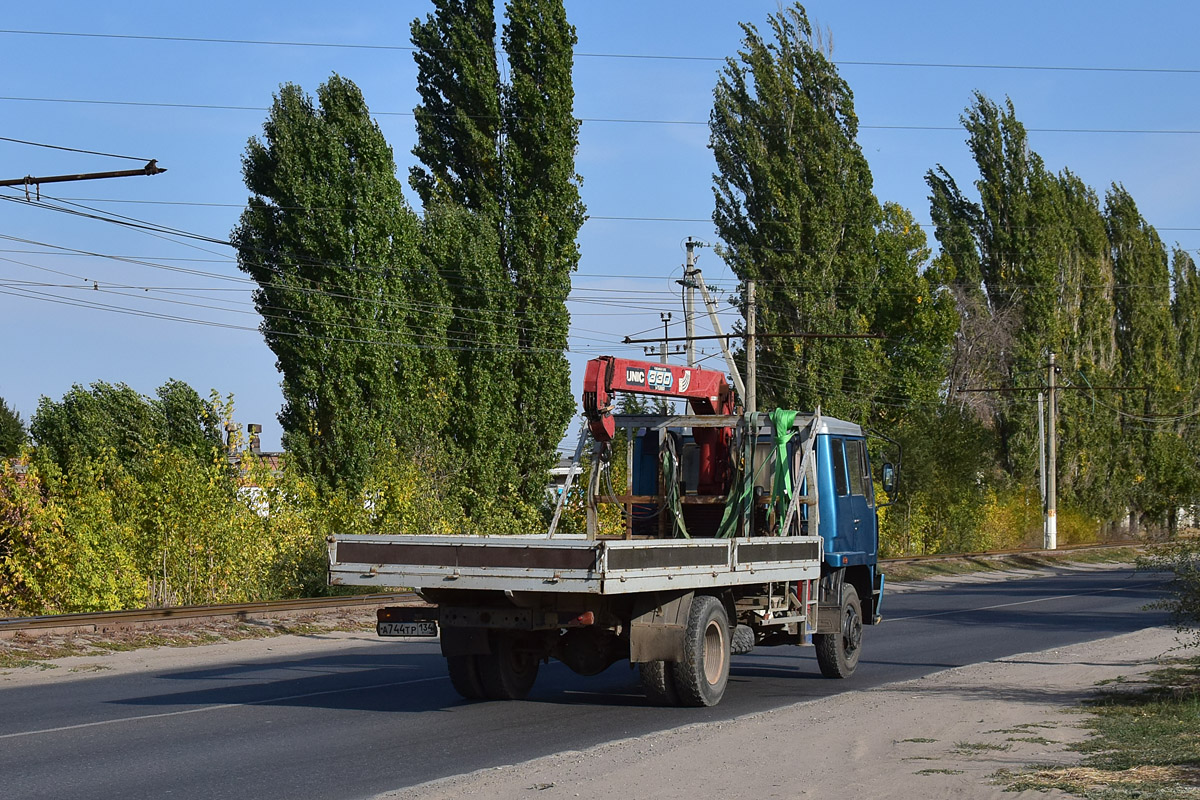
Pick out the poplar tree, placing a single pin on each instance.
(543, 216)
(1032, 276)
(795, 212)
(505, 153)
(458, 119)
(355, 318)
(1148, 357)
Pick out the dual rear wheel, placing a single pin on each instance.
(699, 677)
(507, 673)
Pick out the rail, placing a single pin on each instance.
(104, 620)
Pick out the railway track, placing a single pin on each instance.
(108, 620)
(97, 622)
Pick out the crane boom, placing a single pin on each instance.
(706, 390)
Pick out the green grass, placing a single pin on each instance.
(900, 571)
(1145, 743)
(917, 739)
(1030, 739)
(1024, 727)
(939, 771)
(974, 748)
(17, 661)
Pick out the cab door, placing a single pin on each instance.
(860, 503)
(843, 503)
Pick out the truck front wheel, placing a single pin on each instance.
(837, 653)
(508, 672)
(702, 670)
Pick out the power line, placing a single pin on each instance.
(70, 149)
(624, 56)
(590, 217)
(611, 120)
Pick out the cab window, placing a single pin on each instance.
(839, 467)
(856, 464)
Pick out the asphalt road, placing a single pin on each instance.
(365, 718)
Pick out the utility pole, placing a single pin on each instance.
(711, 305)
(751, 342)
(666, 320)
(689, 302)
(1051, 537)
(1042, 451)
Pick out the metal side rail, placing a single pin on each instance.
(570, 565)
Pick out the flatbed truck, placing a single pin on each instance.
(736, 531)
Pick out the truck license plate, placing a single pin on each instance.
(407, 628)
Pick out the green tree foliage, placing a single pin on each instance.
(13, 435)
(466, 244)
(796, 213)
(1041, 266)
(1148, 350)
(504, 152)
(90, 522)
(351, 310)
(915, 313)
(543, 216)
(113, 418)
(458, 120)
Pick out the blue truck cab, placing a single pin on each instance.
(847, 520)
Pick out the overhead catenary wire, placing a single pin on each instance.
(71, 149)
(610, 120)
(601, 55)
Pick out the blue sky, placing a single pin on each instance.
(647, 182)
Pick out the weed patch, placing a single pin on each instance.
(974, 748)
(1145, 742)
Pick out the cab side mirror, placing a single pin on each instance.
(889, 478)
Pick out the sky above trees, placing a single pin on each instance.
(643, 153)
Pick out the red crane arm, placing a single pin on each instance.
(706, 389)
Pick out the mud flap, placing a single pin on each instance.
(658, 626)
(465, 642)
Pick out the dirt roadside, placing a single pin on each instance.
(941, 736)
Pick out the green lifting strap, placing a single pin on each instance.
(670, 468)
(781, 492)
(739, 504)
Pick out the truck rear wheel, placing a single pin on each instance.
(508, 672)
(464, 676)
(659, 683)
(742, 640)
(837, 653)
(702, 671)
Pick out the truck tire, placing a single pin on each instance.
(659, 683)
(702, 670)
(508, 672)
(741, 641)
(464, 677)
(837, 653)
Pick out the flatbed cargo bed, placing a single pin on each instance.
(570, 564)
